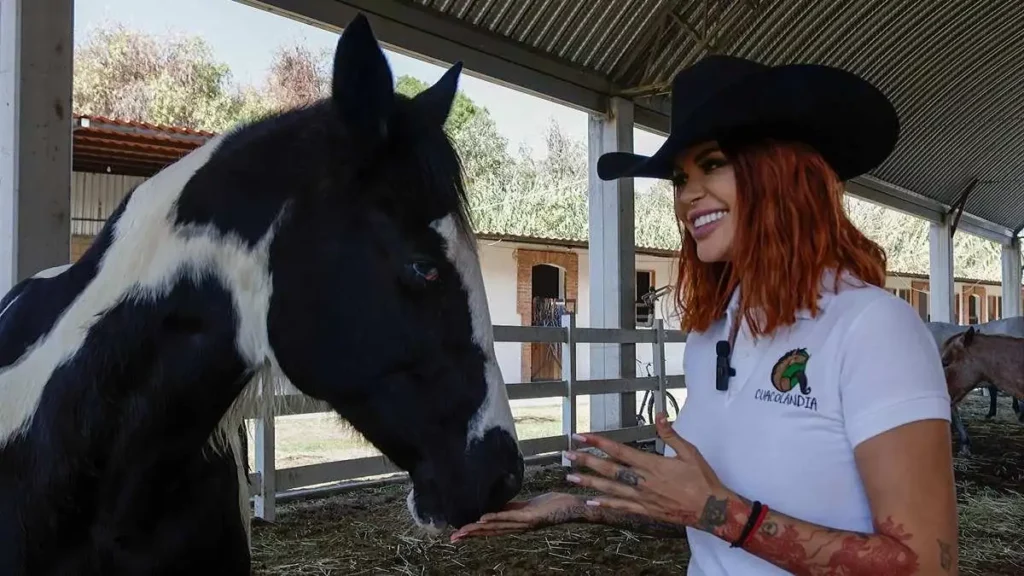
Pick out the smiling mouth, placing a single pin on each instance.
(708, 218)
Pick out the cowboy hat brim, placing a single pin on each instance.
(846, 119)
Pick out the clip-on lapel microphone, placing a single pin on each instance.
(722, 370)
(723, 351)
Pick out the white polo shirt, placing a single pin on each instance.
(870, 365)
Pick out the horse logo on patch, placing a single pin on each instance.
(791, 370)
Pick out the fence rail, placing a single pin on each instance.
(267, 482)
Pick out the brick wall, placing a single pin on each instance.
(525, 261)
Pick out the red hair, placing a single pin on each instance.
(790, 228)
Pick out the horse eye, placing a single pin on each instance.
(425, 270)
(421, 273)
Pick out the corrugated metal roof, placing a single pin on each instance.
(954, 69)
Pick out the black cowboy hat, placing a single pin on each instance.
(848, 121)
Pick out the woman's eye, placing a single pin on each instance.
(712, 164)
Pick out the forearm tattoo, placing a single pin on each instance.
(638, 523)
(945, 555)
(807, 549)
(714, 515)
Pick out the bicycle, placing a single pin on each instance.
(649, 398)
(649, 299)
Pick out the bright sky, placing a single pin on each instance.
(245, 38)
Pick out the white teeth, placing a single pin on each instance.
(709, 218)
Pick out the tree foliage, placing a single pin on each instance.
(297, 77)
(176, 81)
(173, 80)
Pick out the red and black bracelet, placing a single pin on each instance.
(757, 515)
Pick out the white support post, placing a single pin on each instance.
(940, 275)
(1012, 291)
(264, 505)
(612, 245)
(569, 375)
(36, 45)
(659, 371)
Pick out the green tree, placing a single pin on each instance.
(656, 225)
(298, 76)
(905, 240)
(489, 168)
(173, 80)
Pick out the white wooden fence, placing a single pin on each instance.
(266, 482)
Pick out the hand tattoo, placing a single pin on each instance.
(714, 514)
(628, 476)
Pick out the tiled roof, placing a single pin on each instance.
(113, 146)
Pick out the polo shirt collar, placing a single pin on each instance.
(825, 296)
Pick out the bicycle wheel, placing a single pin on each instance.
(675, 405)
(670, 400)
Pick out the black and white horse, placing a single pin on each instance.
(328, 244)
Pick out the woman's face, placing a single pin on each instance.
(705, 189)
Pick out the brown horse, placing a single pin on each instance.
(972, 357)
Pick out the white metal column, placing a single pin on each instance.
(612, 266)
(36, 45)
(1012, 279)
(940, 274)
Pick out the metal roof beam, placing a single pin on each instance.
(881, 192)
(997, 233)
(427, 35)
(897, 198)
(957, 210)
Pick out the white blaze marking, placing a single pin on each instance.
(495, 410)
(430, 528)
(143, 262)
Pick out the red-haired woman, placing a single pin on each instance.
(815, 434)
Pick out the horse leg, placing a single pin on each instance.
(993, 397)
(961, 432)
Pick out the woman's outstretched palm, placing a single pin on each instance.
(544, 510)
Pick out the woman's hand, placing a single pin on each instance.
(683, 490)
(544, 510)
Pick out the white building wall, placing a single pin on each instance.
(499, 267)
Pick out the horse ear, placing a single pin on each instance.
(362, 87)
(969, 336)
(436, 101)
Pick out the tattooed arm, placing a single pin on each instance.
(554, 508)
(639, 523)
(909, 482)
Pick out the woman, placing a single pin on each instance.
(815, 434)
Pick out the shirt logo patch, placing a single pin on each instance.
(790, 372)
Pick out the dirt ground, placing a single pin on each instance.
(368, 531)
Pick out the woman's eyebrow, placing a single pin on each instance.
(704, 154)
